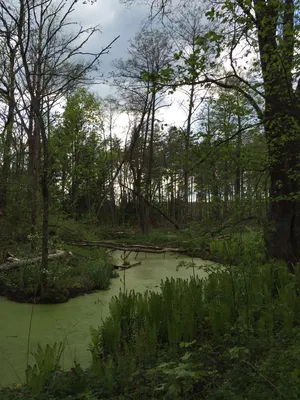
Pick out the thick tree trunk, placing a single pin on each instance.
(283, 236)
(282, 128)
(143, 215)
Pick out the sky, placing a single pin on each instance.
(117, 19)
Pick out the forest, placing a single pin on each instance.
(142, 258)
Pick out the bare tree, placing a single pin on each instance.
(8, 54)
(184, 28)
(149, 53)
(52, 60)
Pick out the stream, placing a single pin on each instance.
(70, 322)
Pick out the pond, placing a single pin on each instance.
(70, 322)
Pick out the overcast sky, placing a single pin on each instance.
(116, 19)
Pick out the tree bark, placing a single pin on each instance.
(33, 168)
(282, 127)
(8, 129)
(283, 236)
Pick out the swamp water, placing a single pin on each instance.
(70, 322)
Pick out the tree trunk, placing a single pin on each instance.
(237, 186)
(34, 170)
(282, 128)
(19, 263)
(283, 235)
(143, 217)
(186, 155)
(8, 129)
(6, 160)
(45, 192)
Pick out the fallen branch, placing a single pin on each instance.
(151, 205)
(131, 247)
(122, 267)
(18, 263)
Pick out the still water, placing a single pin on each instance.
(70, 322)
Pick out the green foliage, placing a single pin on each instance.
(249, 245)
(233, 335)
(87, 270)
(47, 360)
(78, 154)
(236, 315)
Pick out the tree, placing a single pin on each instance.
(149, 53)
(49, 67)
(77, 151)
(269, 28)
(185, 27)
(8, 71)
(112, 109)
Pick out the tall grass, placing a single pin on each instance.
(243, 307)
(232, 335)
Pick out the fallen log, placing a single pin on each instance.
(131, 247)
(120, 233)
(18, 263)
(113, 243)
(124, 266)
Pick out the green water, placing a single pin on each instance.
(70, 322)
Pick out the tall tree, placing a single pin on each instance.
(49, 66)
(149, 53)
(270, 29)
(184, 28)
(9, 42)
(77, 151)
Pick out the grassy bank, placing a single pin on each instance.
(87, 270)
(84, 272)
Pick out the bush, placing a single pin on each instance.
(66, 278)
(238, 248)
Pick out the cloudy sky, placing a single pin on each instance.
(114, 19)
(117, 19)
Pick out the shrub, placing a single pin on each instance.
(85, 272)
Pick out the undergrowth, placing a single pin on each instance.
(86, 270)
(233, 335)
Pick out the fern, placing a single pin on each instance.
(46, 361)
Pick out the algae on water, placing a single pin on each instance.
(70, 322)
